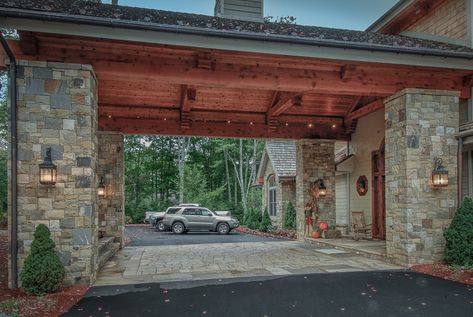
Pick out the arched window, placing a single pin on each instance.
(272, 195)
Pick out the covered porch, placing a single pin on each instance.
(85, 80)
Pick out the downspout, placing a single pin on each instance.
(460, 169)
(13, 160)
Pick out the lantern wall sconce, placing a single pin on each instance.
(47, 170)
(321, 189)
(439, 174)
(101, 188)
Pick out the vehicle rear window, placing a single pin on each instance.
(173, 210)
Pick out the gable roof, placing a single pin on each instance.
(150, 19)
(282, 155)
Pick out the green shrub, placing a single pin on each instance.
(43, 271)
(290, 217)
(253, 221)
(459, 236)
(265, 224)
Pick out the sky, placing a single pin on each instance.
(346, 14)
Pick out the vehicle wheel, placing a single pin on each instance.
(223, 228)
(160, 226)
(178, 228)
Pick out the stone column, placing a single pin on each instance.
(57, 108)
(420, 125)
(315, 159)
(111, 167)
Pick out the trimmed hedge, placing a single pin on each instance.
(43, 271)
(459, 236)
(265, 224)
(290, 217)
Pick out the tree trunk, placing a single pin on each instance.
(183, 148)
(227, 175)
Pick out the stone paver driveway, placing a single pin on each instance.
(230, 260)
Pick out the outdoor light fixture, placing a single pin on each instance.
(321, 189)
(101, 188)
(439, 174)
(47, 170)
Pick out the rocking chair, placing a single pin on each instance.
(359, 228)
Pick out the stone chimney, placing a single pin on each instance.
(246, 10)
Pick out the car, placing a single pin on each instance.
(148, 215)
(198, 219)
(157, 217)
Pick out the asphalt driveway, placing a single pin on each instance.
(140, 236)
(388, 293)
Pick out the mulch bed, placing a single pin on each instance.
(17, 303)
(279, 233)
(444, 271)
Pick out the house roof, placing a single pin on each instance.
(131, 17)
(282, 155)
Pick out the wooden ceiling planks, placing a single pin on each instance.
(141, 88)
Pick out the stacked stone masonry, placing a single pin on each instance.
(57, 108)
(315, 159)
(111, 168)
(420, 125)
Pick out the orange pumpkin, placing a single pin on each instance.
(323, 226)
(315, 234)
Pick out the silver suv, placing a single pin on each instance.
(198, 219)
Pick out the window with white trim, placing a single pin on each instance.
(272, 206)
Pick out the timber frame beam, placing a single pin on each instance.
(188, 95)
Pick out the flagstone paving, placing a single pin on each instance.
(167, 263)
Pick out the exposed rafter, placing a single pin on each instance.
(365, 110)
(28, 43)
(353, 105)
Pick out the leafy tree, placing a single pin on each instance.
(290, 217)
(459, 236)
(43, 271)
(265, 221)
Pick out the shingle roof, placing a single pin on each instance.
(131, 17)
(282, 155)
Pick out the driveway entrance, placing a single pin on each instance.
(245, 256)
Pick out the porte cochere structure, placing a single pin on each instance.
(84, 74)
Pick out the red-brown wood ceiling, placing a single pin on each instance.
(158, 89)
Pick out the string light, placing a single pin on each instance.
(334, 126)
(165, 119)
(228, 121)
(287, 124)
(310, 125)
(251, 123)
(110, 116)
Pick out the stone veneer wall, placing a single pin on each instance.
(315, 159)
(111, 166)
(286, 193)
(420, 125)
(57, 108)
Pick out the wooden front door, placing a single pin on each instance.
(378, 195)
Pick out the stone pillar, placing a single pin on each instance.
(315, 159)
(420, 125)
(111, 167)
(57, 108)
